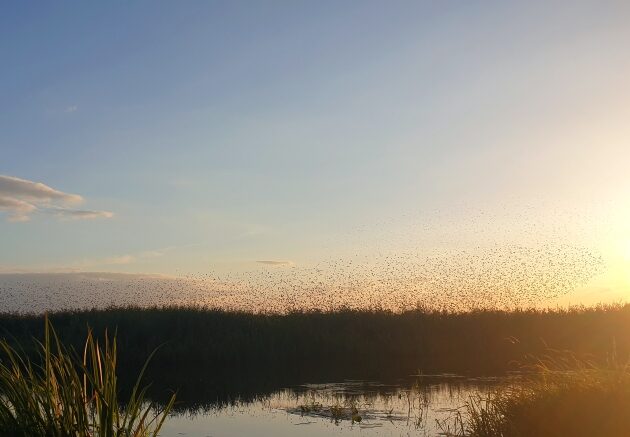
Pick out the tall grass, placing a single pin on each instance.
(65, 394)
(570, 397)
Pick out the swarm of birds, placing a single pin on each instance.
(457, 261)
(502, 277)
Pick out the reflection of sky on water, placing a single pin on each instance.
(386, 410)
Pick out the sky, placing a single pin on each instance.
(180, 138)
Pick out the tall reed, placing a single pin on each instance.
(66, 394)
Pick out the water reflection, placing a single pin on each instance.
(425, 406)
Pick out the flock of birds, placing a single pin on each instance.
(458, 261)
(506, 278)
(454, 280)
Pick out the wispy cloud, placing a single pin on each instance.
(128, 258)
(132, 258)
(275, 263)
(119, 260)
(33, 191)
(20, 198)
(80, 214)
(18, 209)
(72, 108)
(113, 262)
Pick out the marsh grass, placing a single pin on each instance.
(569, 396)
(67, 394)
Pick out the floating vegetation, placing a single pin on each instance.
(340, 411)
(412, 407)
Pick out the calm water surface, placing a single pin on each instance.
(407, 408)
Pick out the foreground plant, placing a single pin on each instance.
(66, 395)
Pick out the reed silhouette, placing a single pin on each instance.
(211, 355)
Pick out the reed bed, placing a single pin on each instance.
(66, 394)
(219, 355)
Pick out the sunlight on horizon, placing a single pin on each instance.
(453, 259)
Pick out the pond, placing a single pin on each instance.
(426, 406)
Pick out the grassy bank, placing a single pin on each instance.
(569, 398)
(212, 354)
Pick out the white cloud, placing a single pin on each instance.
(20, 198)
(72, 108)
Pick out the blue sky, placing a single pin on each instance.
(221, 133)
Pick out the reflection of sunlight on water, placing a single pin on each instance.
(384, 410)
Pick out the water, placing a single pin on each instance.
(427, 408)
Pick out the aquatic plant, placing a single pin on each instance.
(311, 406)
(70, 395)
(336, 412)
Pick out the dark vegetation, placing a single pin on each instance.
(210, 356)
